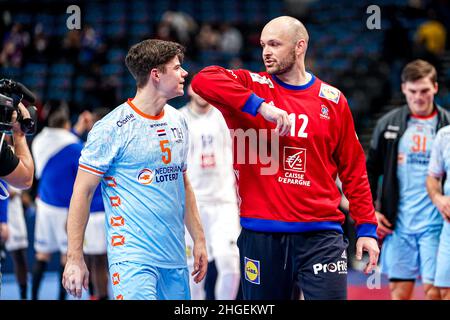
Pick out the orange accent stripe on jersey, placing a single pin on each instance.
(117, 221)
(119, 297)
(115, 278)
(111, 182)
(117, 241)
(90, 169)
(159, 116)
(115, 201)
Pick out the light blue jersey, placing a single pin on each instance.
(439, 166)
(440, 157)
(416, 212)
(141, 160)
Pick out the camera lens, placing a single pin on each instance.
(27, 125)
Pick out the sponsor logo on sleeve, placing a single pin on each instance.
(124, 121)
(329, 93)
(261, 79)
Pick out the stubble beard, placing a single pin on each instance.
(283, 66)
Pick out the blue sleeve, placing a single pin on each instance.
(252, 104)
(3, 211)
(3, 207)
(366, 230)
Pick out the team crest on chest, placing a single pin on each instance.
(324, 112)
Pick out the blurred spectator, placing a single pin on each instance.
(164, 32)
(71, 45)
(396, 43)
(14, 45)
(231, 40)
(208, 38)
(432, 35)
(40, 45)
(183, 25)
(90, 42)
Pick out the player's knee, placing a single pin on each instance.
(402, 291)
(445, 293)
(432, 293)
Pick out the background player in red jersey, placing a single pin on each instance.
(291, 225)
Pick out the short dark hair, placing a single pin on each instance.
(419, 69)
(59, 118)
(151, 53)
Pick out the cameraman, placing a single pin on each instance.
(17, 168)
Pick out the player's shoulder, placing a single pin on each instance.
(115, 118)
(393, 118)
(173, 112)
(174, 115)
(215, 113)
(184, 110)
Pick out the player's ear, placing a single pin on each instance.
(154, 74)
(403, 87)
(300, 46)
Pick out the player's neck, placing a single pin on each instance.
(150, 104)
(297, 76)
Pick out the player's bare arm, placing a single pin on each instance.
(194, 226)
(442, 202)
(276, 115)
(384, 226)
(76, 274)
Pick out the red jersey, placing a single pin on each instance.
(298, 193)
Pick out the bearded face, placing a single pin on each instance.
(278, 50)
(279, 62)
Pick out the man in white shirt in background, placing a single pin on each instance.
(210, 161)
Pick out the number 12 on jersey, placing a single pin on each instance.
(303, 122)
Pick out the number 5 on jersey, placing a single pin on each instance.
(165, 158)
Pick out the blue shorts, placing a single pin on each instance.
(443, 259)
(135, 281)
(274, 265)
(408, 256)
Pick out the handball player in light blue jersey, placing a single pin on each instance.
(439, 170)
(138, 153)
